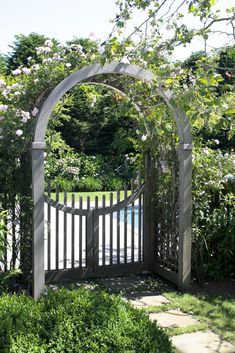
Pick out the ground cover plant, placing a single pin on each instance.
(80, 320)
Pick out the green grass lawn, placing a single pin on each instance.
(216, 313)
(92, 195)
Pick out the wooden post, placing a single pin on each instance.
(185, 211)
(148, 239)
(38, 149)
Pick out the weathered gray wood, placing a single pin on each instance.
(89, 238)
(38, 218)
(65, 232)
(139, 222)
(185, 212)
(185, 138)
(125, 226)
(118, 228)
(132, 222)
(80, 232)
(72, 232)
(96, 236)
(146, 202)
(111, 231)
(169, 275)
(49, 231)
(57, 230)
(103, 233)
(96, 70)
(54, 276)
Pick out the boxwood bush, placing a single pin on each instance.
(79, 320)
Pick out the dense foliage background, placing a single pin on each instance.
(97, 138)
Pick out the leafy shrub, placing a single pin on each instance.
(90, 184)
(213, 213)
(11, 281)
(77, 321)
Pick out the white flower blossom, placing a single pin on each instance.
(19, 132)
(15, 85)
(216, 142)
(2, 118)
(93, 101)
(34, 112)
(3, 107)
(101, 49)
(2, 84)
(68, 65)
(43, 50)
(24, 119)
(36, 67)
(205, 150)
(29, 58)
(16, 72)
(25, 115)
(125, 60)
(17, 93)
(26, 70)
(48, 60)
(48, 43)
(144, 138)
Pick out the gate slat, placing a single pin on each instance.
(96, 235)
(49, 230)
(72, 231)
(132, 222)
(57, 231)
(65, 232)
(80, 232)
(103, 233)
(139, 221)
(89, 237)
(111, 230)
(118, 229)
(125, 226)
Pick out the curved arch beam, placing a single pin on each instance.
(88, 73)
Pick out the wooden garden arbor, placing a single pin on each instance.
(182, 277)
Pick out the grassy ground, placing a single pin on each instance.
(216, 313)
(92, 195)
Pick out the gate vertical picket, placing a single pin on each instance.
(111, 230)
(132, 223)
(103, 234)
(89, 237)
(139, 221)
(49, 230)
(118, 229)
(72, 231)
(80, 234)
(57, 231)
(96, 235)
(125, 226)
(65, 232)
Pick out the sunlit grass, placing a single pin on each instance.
(92, 196)
(214, 312)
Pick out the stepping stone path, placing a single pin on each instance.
(142, 293)
(196, 342)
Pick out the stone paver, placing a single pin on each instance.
(202, 342)
(173, 318)
(145, 300)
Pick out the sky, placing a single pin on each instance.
(66, 19)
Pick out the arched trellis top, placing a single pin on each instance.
(87, 73)
(182, 277)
